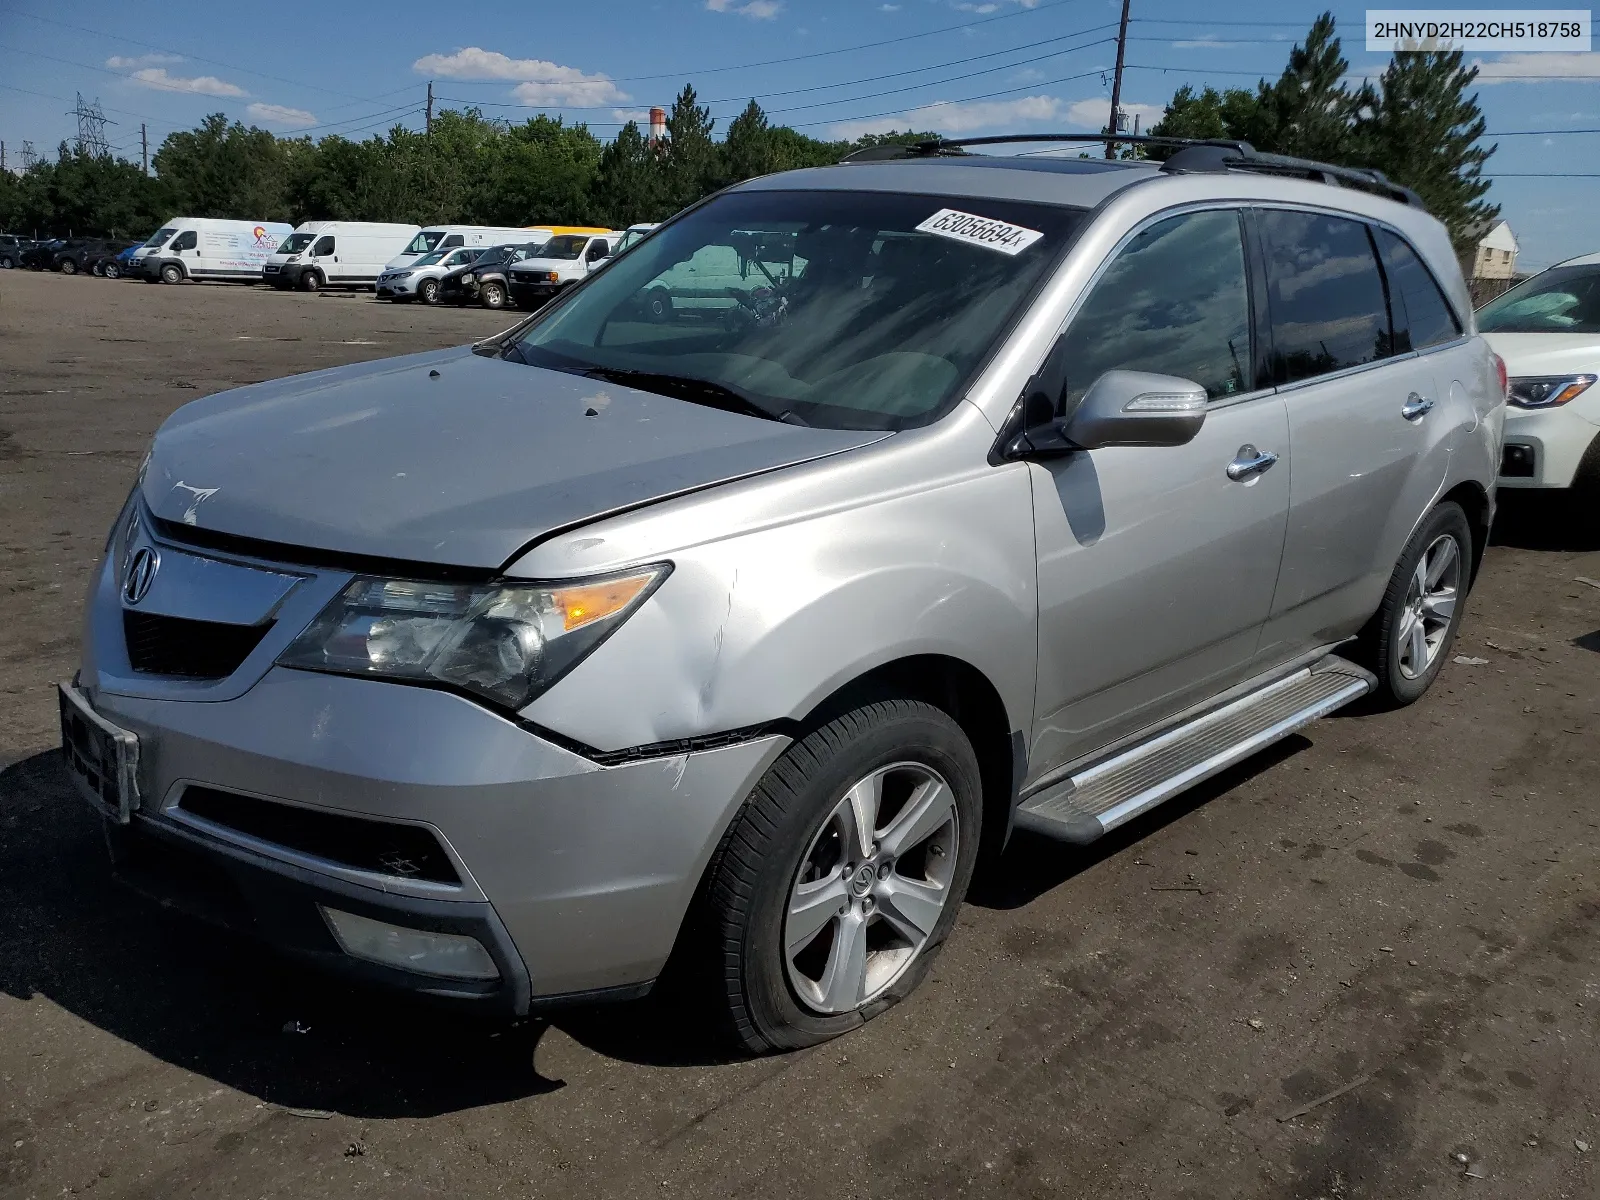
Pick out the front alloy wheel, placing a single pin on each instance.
(428, 291)
(832, 890)
(871, 887)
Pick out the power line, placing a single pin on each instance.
(946, 103)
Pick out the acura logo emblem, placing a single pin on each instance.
(141, 574)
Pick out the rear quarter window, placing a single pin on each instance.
(1422, 316)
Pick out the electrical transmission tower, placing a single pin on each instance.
(28, 156)
(91, 128)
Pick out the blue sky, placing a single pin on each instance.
(960, 66)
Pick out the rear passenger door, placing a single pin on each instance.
(1370, 437)
(1156, 565)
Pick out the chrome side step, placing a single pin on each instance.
(1114, 790)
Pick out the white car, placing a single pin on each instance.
(566, 259)
(1548, 331)
(420, 281)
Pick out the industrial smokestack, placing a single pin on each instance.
(658, 124)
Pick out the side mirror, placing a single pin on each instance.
(1136, 408)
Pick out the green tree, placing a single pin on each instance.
(1307, 111)
(628, 182)
(749, 149)
(223, 170)
(1208, 114)
(1421, 128)
(690, 159)
(540, 173)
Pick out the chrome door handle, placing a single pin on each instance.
(1415, 407)
(1249, 463)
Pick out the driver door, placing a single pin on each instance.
(1157, 564)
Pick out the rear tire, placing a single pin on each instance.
(5, 263)
(172, 273)
(794, 852)
(1409, 638)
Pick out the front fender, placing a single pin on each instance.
(764, 625)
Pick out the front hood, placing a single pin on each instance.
(447, 457)
(1547, 353)
(546, 264)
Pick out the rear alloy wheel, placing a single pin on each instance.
(428, 291)
(172, 273)
(834, 888)
(5, 263)
(1410, 636)
(492, 295)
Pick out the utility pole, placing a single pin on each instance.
(2, 156)
(428, 120)
(91, 128)
(1116, 82)
(144, 147)
(28, 155)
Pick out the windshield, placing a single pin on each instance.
(295, 243)
(159, 237)
(841, 309)
(567, 245)
(629, 239)
(424, 241)
(427, 260)
(1560, 300)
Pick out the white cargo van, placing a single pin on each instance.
(336, 254)
(451, 237)
(208, 248)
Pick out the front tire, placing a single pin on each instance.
(310, 281)
(172, 273)
(68, 267)
(492, 295)
(839, 880)
(1410, 636)
(428, 291)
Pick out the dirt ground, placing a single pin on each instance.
(1401, 907)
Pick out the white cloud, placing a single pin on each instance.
(277, 114)
(119, 63)
(760, 10)
(200, 85)
(956, 117)
(982, 9)
(888, 8)
(1509, 68)
(538, 82)
(1093, 114)
(640, 116)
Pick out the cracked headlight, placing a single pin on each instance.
(504, 642)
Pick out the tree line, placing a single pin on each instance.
(1417, 123)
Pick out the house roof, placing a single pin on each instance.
(1499, 237)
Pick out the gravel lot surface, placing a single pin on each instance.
(1402, 907)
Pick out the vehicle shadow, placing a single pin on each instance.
(1034, 864)
(1541, 520)
(217, 1004)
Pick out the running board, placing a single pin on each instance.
(1114, 790)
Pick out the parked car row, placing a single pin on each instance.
(70, 256)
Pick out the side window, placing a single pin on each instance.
(598, 248)
(1328, 304)
(1175, 302)
(1422, 316)
(455, 239)
(324, 246)
(187, 240)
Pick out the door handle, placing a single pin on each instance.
(1249, 463)
(1415, 407)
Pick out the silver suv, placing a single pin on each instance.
(1000, 492)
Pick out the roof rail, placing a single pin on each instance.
(1193, 156)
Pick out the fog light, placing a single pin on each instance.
(450, 955)
(1516, 462)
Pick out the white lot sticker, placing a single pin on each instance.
(980, 231)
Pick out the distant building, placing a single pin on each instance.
(1492, 267)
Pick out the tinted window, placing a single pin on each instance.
(1328, 307)
(1422, 316)
(455, 239)
(186, 240)
(1174, 302)
(323, 246)
(1560, 300)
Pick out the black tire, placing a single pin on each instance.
(1383, 641)
(172, 273)
(428, 291)
(112, 270)
(492, 295)
(757, 862)
(98, 269)
(67, 266)
(310, 281)
(5, 263)
(658, 304)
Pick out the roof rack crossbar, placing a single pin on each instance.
(1195, 155)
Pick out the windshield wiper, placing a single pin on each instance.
(687, 387)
